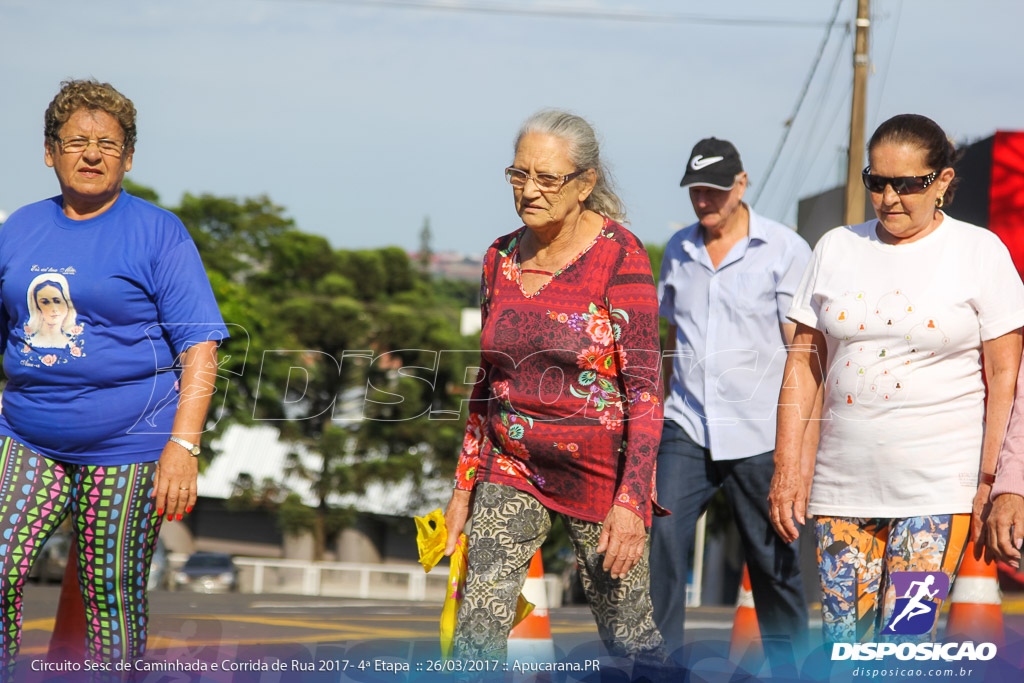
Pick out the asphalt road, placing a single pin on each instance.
(194, 620)
(310, 639)
(323, 633)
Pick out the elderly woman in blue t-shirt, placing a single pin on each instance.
(144, 325)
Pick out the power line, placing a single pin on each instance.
(808, 135)
(813, 142)
(888, 62)
(799, 101)
(834, 117)
(570, 13)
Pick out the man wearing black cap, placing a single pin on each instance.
(726, 284)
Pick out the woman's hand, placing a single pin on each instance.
(1004, 529)
(798, 406)
(174, 484)
(455, 516)
(979, 513)
(622, 541)
(787, 498)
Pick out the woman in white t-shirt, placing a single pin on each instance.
(892, 317)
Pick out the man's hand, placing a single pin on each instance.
(622, 541)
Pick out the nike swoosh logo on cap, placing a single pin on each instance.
(699, 162)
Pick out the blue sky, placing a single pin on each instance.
(362, 119)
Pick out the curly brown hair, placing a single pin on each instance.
(89, 94)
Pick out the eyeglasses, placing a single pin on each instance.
(905, 185)
(75, 145)
(546, 182)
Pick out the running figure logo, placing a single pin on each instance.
(915, 612)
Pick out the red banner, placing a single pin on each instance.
(1006, 193)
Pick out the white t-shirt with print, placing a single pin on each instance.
(904, 400)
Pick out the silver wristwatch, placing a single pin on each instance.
(190, 447)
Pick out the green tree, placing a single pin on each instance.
(307, 322)
(141, 191)
(234, 236)
(655, 252)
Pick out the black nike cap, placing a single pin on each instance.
(713, 163)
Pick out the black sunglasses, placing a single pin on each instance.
(905, 185)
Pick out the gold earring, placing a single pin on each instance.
(939, 201)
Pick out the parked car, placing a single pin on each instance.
(206, 572)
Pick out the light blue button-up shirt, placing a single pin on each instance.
(729, 350)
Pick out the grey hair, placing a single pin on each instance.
(584, 153)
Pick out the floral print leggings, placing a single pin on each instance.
(509, 526)
(856, 557)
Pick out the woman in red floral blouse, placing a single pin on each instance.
(566, 417)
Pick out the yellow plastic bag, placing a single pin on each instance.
(453, 596)
(431, 537)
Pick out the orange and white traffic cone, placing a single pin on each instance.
(745, 643)
(67, 643)
(975, 611)
(530, 641)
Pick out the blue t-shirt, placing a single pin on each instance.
(93, 314)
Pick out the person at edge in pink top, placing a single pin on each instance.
(1004, 523)
(566, 416)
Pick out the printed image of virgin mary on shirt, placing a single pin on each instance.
(52, 332)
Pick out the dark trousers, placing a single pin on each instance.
(687, 479)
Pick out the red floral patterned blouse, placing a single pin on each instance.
(567, 406)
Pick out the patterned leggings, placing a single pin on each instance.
(115, 528)
(509, 526)
(857, 558)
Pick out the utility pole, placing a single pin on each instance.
(854, 186)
